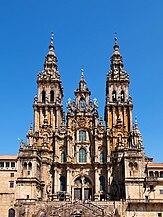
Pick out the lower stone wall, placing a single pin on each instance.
(144, 209)
(39, 208)
(6, 203)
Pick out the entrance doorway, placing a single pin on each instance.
(77, 193)
(87, 193)
(11, 213)
(82, 188)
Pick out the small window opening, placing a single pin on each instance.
(146, 199)
(135, 165)
(2, 164)
(156, 174)
(63, 158)
(51, 96)
(151, 187)
(25, 166)
(161, 191)
(11, 174)
(122, 96)
(82, 135)
(30, 166)
(62, 183)
(7, 164)
(102, 183)
(43, 96)
(11, 184)
(12, 164)
(130, 164)
(151, 174)
(11, 213)
(82, 155)
(102, 157)
(114, 96)
(82, 104)
(161, 174)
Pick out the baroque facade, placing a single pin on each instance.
(76, 164)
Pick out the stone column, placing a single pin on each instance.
(54, 179)
(108, 181)
(56, 184)
(114, 116)
(130, 118)
(41, 117)
(96, 195)
(124, 117)
(36, 119)
(52, 118)
(68, 180)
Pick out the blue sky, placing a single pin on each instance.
(84, 32)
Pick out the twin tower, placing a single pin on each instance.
(78, 156)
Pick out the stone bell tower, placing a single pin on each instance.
(48, 104)
(118, 109)
(37, 156)
(121, 135)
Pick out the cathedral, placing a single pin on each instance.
(76, 163)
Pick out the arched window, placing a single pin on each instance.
(102, 157)
(43, 96)
(51, 96)
(11, 213)
(102, 183)
(82, 104)
(82, 135)
(82, 155)
(156, 174)
(122, 96)
(87, 181)
(114, 96)
(63, 158)
(62, 183)
(78, 181)
(130, 164)
(151, 174)
(30, 166)
(135, 165)
(25, 166)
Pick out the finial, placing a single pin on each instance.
(136, 119)
(63, 118)
(52, 38)
(82, 71)
(101, 120)
(31, 126)
(136, 122)
(115, 38)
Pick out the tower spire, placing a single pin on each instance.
(116, 58)
(51, 58)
